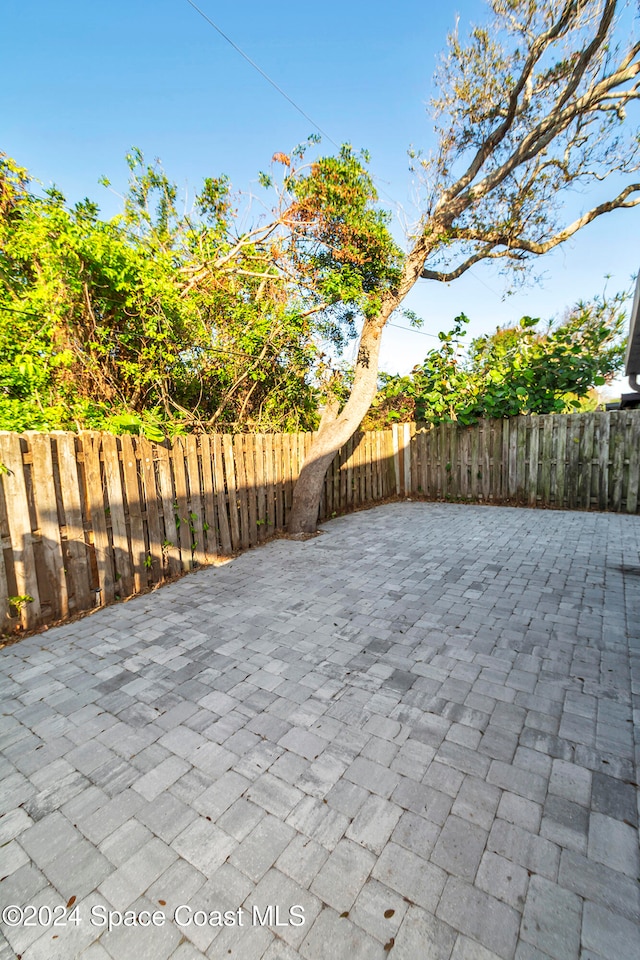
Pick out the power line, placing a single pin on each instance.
(413, 330)
(261, 72)
(276, 87)
(480, 280)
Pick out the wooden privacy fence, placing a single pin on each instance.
(87, 519)
(91, 518)
(579, 461)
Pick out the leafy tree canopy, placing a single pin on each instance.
(528, 368)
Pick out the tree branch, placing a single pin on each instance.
(549, 128)
(489, 146)
(486, 253)
(588, 53)
(514, 242)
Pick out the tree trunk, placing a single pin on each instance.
(334, 433)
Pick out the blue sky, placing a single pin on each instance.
(84, 82)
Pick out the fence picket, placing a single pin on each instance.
(602, 450)
(572, 470)
(633, 447)
(534, 437)
(269, 485)
(170, 543)
(146, 455)
(97, 515)
(260, 500)
(208, 499)
(278, 481)
(196, 501)
(115, 494)
(75, 548)
(241, 489)
(18, 515)
(545, 460)
(252, 493)
(561, 463)
(230, 473)
(221, 498)
(45, 502)
(134, 506)
(587, 450)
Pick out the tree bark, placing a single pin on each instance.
(334, 433)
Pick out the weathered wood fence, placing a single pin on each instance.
(87, 519)
(91, 518)
(587, 461)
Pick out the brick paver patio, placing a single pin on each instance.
(416, 727)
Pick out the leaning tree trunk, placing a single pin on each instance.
(334, 433)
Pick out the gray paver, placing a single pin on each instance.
(78, 871)
(378, 910)
(466, 949)
(530, 851)
(177, 885)
(333, 937)
(480, 916)
(204, 845)
(132, 878)
(594, 881)
(275, 795)
(73, 938)
(423, 935)
(565, 823)
(302, 859)
(124, 841)
(152, 942)
(411, 876)
(609, 934)
(614, 798)
(160, 777)
(614, 844)
(552, 919)
(372, 776)
(477, 802)
(261, 848)
(502, 879)
(416, 833)
(374, 823)
(347, 720)
(342, 876)
(571, 782)
(459, 848)
(318, 821)
(240, 819)
(275, 889)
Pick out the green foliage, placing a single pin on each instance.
(521, 369)
(341, 244)
(17, 603)
(145, 323)
(155, 322)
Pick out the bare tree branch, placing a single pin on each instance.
(486, 252)
(518, 242)
(538, 48)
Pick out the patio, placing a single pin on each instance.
(417, 727)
